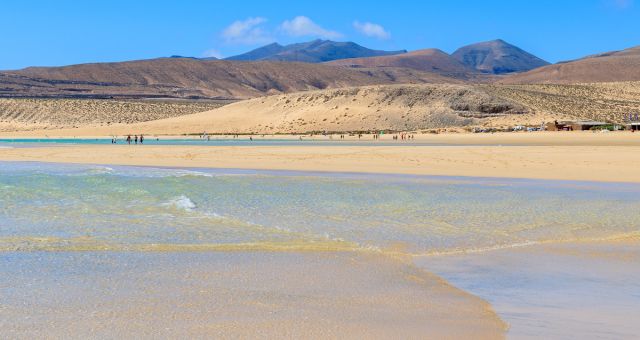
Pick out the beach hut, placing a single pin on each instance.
(558, 126)
(633, 126)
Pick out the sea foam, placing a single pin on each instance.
(181, 202)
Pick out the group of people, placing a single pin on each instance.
(129, 140)
(403, 136)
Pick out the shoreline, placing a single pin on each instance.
(539, 138)
(576, 163)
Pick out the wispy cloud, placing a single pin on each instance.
(212, 53)
(246, 32)
(371, 30)
(301, 26)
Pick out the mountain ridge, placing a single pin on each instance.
(315, 51)
(497, 57)
(614, 66)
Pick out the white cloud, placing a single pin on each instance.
(372, 30)
(212, 53)
(302, 26)
(247, 32)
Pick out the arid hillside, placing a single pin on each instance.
(192, 78)
(617, 66)
(30, 114)
(609, 102)
(368, 108)
(429, 60)
(390, 107)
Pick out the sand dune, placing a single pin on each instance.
(369, 108)
(395, 107)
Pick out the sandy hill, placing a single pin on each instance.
(610, 102)
(41, 113)
(315, 51)
(428, 60)
(192, 78)
(606, 67)
(367, 108)
(497, 57)
(388, 107)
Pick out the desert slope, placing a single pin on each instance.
(32, 114)
(429, 60)
(381, 107)
(609, 102)
(179, 78)
(369, 108)
(606, 67)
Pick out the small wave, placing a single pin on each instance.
(100, 170)
(181, 202)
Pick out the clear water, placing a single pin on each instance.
(153, 252)
(137, 207)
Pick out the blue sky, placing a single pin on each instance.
(49, 33)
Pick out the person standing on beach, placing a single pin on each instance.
(141, 139)
(135, 138)
(129, 139)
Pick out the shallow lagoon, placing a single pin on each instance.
(72, 217)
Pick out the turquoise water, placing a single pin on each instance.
(136, 206)
(117, 251)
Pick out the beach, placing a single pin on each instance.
(440, 236)
(577, 156)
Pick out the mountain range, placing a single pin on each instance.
(319, 64)
(315, 51)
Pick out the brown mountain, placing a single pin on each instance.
(192, 78)
(497, 57)
(606, 67)
(428, 60)
(315, 51)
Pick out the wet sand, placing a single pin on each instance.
(231, 295)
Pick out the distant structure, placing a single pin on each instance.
(633, 123)
(574, 125)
